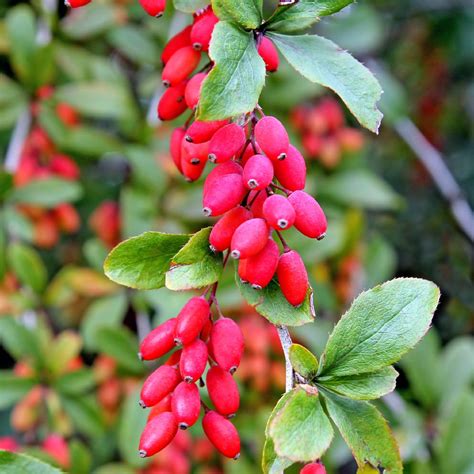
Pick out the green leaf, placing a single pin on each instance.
(300, 430)
(13, 463)
(81, 459)
(108, 311)
(189, 6)
(195, 265)
(27, 266)
(77, 382)
(65, 347)
(303, 14)
(47, 192)
(380, 326)
(120, 344)
(364, 386)
(234, 84)
(137, 209)
(271, 303)
(85, 413)
(246, 13)
(135, 43)
(303, 361)
(13, 389)
(271, 463)
(323, 62)
(13, 101)
(141, 262)
(17, 340)
(88, 141)
(365, 432)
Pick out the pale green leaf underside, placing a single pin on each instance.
(380, 326)
(323, 62)
(234, 84)
(13, 463)
(303, 361)
(189, 6)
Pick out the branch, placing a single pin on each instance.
(286, 342)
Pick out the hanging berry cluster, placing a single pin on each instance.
(171, 390)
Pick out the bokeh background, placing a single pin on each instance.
(86, 164)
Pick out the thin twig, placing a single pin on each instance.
(286, 342)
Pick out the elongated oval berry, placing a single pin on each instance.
(177, 137)
(159, 384)
(172, 104)
(272, 137)
(242, 270)
(202, 30)
(226, 143)
(199, 132)
(191, 320)
(256, 200)
(258, 172)
(153, 7)
(193, 361)
(186, 404)
(180, 65)
(65, 167)
(195, 153)
(249, 238)
(159, 341)
(174, 359)
(310, 219)
(178, 41)
(279, 212)
(291, 172)
(193, 89)
(230, 167)
(226, 344)
(269, 54)
(158, 433)
(160, 407)
(223, 391)
(76, 3)
(259, 269)
(223, 230)
(222, 434)
(293, 277)
(225, 194)
(313, 468)
(192, 171)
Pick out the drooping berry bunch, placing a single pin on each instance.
(172, 391)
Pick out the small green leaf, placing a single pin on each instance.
(85, 414)
(271, 303)
(234, 84)
(13, 388)
(27, 266)
(303, 14)
(141, 262)
(195, 265)
(13, 463)
(271, 463)
(364, 386)
(303, 361)
(300, 430)
(65, 347)
(190, 6)
(47, 192)
(13, 102)
(365, 432)
(380, 326)
(81, 459)
(18, 340)
(77, 382)
(246, 13)
(323, 62)
(135, 43)
(88, 141)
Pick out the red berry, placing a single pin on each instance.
(279, 212)
(269, 54)
(191, 320)
(186, 404)
(223, 230)
(222, 434)
(158, 433)
(226, 193)
(67, 218)
(249, 238)
(291, 172)
(226, 344)
(65, 167)
(258, 172)
(256, 200)
(153, 7)
(249, 152)
(180, 65)
(223, 391)
(242, 270)
(310, 219)
(76, 3)
(272, 137)
(174, 359)
(177, 137)
(193, 89)
(259, 269)
(69, 116)
(178, 41)
(202, 30)
(226, 143)
(159, 341)
(293, 277)
(195, 153)
(230, 167)
(193, 361)
(313, 468)
(206, 330)
(159, 383)
(192, 171)
(199, 132)
(172, 104)
(160, 407)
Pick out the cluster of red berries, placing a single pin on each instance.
(172, 391)
(324, 133)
